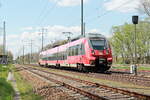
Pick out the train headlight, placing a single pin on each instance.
(107, 52)
(92, 62)
(93, 52)
(109, 59)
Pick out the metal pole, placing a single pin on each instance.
(82, 18)
(84, 30)
(42, 38)
(135, 51)
(31, 52)
(4, 58)
(4, 39)
(135, 43)
(23, 54)
(135, 21)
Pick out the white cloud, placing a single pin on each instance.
(15, 41)
(122, 5)
(27, 28)
(67, 3)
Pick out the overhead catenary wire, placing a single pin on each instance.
(107, 12)
(90, 20)
(42, 11)
(49, 11)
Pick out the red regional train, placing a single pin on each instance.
(90, 52)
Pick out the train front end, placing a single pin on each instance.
(100, 52)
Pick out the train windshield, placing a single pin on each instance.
(98, 44)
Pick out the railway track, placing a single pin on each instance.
(49, 90)
(113, 76)
(92, 90)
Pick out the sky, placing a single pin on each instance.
(26, 18)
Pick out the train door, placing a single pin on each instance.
(81, 53)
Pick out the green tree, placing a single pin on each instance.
(123, 42)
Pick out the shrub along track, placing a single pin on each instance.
(92, 90)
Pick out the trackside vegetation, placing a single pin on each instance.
(122, 43)
(25, 88)
(6, 90)
(127, 67)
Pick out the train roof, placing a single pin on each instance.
(95, 35)
(89, 35)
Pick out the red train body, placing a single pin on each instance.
(91, 52)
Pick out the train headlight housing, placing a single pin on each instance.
(92, 62)
(93, 52)
(107, 52)
(109, 59)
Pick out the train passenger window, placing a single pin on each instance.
(76, 50)
(70, 51)
(73, 51)
(82, 49)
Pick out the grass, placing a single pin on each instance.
(144, 68)
(140, 67)
(26, 89)
(4, 71)
(6, 90)
(120, 67)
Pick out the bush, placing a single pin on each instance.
(6, 90)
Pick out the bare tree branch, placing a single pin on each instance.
(144, 7)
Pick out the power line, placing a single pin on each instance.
(47, 13)
(41, 13)
(110, 11)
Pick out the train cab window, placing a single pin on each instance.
(98, 44)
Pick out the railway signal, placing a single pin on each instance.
(135, 21)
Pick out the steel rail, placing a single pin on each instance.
(138, 80)
(85, 93)
(122, 91)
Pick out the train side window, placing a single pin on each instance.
(70, 51)
(77, 50)
(82, 49)
(65, 55)
(74, 50)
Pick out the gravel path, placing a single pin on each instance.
(14, 84)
